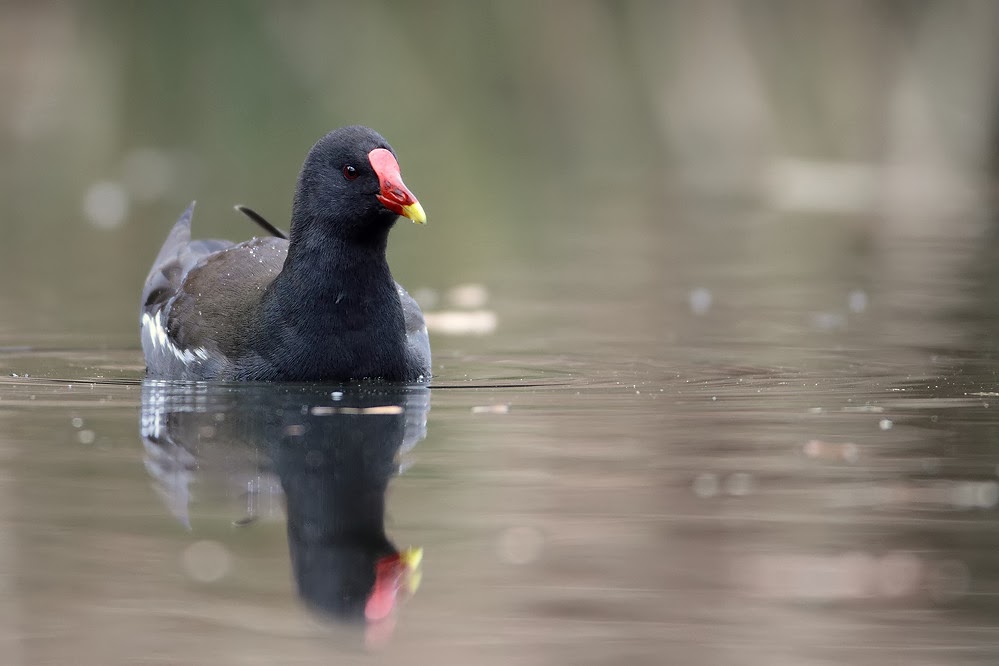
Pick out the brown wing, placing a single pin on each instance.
(213, 309)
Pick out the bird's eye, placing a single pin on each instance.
(349, 172)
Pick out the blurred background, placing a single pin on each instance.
(741, 257)
(550, 142)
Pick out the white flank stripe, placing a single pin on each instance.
(152, 326)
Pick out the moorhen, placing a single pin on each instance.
(320, 306)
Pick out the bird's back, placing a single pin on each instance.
(198, 298)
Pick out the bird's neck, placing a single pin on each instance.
(314, 235)
(325, 252)
(320, 279)
(335, 260)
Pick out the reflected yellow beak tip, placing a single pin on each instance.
(411, 557)
(414, 211)
(413, 584)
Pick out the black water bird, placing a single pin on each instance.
(319, 306)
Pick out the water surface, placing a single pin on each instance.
(748, 480)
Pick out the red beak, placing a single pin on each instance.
(394, 194)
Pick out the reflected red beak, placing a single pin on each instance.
(394, 194)
(393, 574)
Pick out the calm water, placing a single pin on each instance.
(722, 471)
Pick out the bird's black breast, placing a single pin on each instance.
(330, 332)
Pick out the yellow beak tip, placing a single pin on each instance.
(415, 212)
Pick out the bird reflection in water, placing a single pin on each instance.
(332, 452)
